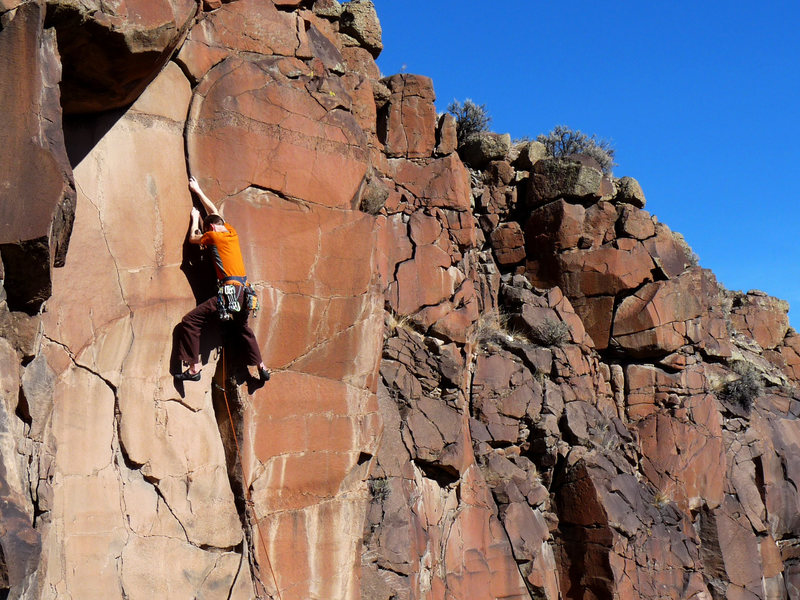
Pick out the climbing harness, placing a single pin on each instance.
(248, 499)
(228, 297)
(227, 302)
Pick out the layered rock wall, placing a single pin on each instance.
(495, 375)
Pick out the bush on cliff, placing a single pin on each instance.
(551, 333)
(746, 388)
(563, 141)
(493, 328)
(470, 118)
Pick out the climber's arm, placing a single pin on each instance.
(206, 202)
(195, 232)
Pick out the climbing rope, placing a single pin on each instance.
(246, 484)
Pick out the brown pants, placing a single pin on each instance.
(204, 316)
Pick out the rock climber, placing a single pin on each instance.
(231, 305)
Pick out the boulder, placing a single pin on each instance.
(508, 243)
(669, 251)
(111, 51)
(553, 178)
(481, 148)
(407, 123)
(608, 270)
(373, 195)
(360, 21)
(330, 9)
(530, 154)
(629, 192)
(37, 197)
(501, 173)
(554, 227)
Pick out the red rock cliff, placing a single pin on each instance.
(498, 379)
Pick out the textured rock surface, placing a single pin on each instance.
(407, 123)
(499, 379)
(111, 51)
(37, 197)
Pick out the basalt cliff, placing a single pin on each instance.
(495, 375)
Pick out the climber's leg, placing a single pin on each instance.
(190, 330)
(252, 353)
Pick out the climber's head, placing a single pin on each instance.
(211, 220)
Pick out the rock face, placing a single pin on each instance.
(498, 379)
(111, 50)
(37, 198)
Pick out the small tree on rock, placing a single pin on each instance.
(563, 141)
(470, 118)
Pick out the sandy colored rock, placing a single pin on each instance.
(330, 9)
(118, 440)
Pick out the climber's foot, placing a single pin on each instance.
(187, 375)
(263, 373)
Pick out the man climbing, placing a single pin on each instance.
(231, 305)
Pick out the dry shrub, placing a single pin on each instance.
(551, 332)
(563, 141)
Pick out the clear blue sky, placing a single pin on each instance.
(700, 99)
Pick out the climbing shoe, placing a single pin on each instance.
(263, 374)
(187, 375)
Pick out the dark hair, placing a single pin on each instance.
(212, 220)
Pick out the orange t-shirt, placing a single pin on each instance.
(224, 247)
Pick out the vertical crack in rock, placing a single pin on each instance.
(228, 410)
